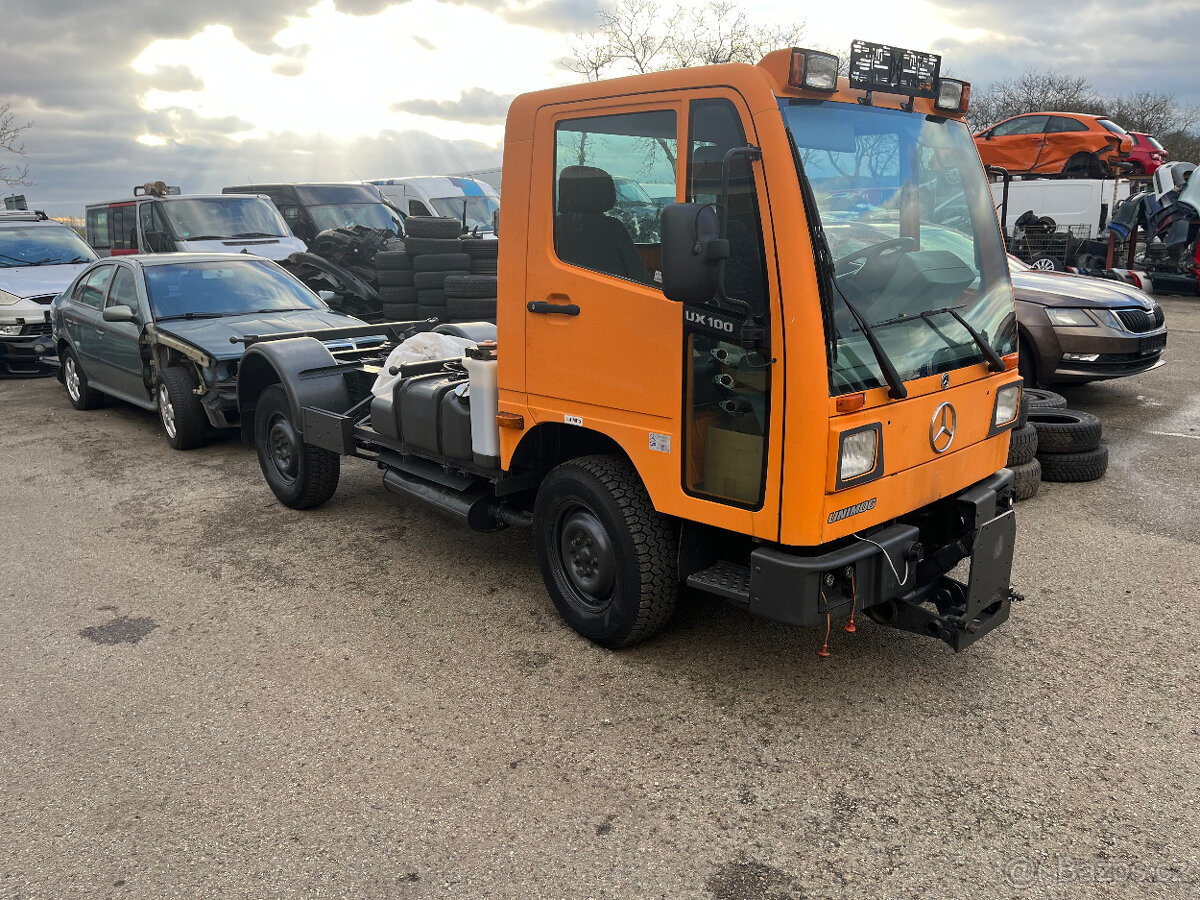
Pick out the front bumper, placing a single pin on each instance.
(897, 573)
(26, 355)
(1119, 353)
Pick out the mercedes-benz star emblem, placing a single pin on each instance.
(942, 428)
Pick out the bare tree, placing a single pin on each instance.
(12, 174)
(639, 36)
(1032, 91)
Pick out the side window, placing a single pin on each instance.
(124, 235)
(727, 386)
(417, 208)
(1021, 125)
(95, 286)
(146, 216)
(97, 228)
(123, 291)
(1060, 124)
(605, 219)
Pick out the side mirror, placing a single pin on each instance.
(692, 250)
(118, 314)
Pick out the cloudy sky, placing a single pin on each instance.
(209, 93)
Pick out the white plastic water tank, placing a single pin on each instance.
(485, 403)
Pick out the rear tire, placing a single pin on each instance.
(180, 412)
(608, 558)
(301, 476)
(76, 383)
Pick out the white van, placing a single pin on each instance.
(469, 199)
(158, 219)
(1068, 201)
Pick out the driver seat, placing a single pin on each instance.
(584, 234)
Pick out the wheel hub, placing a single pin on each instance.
(71, 376)
(587, 555)
(166, 410)
(282, 443)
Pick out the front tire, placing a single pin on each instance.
(76, 383)
(180, 412)
(608, 558)
(300, 475)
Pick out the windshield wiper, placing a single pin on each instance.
(995, 363)
(207, 237)
(896, 388)
(190, 315)
(27, 262)
(252, 234)
(287, 309)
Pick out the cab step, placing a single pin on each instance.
(724, 579)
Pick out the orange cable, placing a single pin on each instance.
(824, 651)
(850, 627)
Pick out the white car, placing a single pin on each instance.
(39, 258)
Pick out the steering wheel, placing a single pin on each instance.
(891, 247)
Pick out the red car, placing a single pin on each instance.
(1055, 143)
(1147, 153)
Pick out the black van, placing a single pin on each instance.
(310, 209)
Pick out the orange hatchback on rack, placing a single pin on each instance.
(1053, 143)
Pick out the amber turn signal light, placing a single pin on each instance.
(510, 420)
(851, 402)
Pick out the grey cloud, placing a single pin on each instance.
(477, 105)
(174, 78)
(569, 16)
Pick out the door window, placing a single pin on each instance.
(1021, 125)
(95, 286)
(728, 387)
(123, 291)
(123, 227)
(97, 228)
(604, 218)
(417, 208)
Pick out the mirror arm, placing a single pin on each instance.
(751, 331)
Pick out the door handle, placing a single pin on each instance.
(542, 308)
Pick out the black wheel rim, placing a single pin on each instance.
(586, 557)
(282, 448)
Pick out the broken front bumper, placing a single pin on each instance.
(25, 355)
(896, 574)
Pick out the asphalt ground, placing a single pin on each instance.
(206, 694)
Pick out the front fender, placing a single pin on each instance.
(296, 364)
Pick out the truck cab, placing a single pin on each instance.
(794, 392)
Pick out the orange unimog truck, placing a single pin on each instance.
(791, 388)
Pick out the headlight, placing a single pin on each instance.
(1109, 318)
(1008, 402)
(1071, 318)
(859, 451)
(10, 329)
(7, 299)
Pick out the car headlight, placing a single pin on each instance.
(10, 329)
(1008, 402)
(1070, 318)
(1109, 318)
(859, 453)
(7, 299)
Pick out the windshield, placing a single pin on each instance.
(222, 218)
(479, 210)
(629, 191)
(914, 236)
(39, 245)
(211, 289)
(347, 215)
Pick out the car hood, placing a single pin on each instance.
(212, 335)
(38, 281)
(1065, 289)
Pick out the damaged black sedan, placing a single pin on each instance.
(164, 332)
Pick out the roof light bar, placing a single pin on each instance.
(813, 71)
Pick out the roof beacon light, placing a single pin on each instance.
(953, 95)
(813, 71)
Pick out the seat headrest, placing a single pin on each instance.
(585, 189)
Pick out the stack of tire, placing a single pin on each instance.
(413, 281)
(1069, 444)
(1022, 450)
(472, 297)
